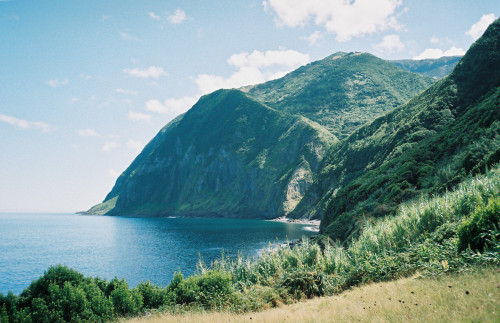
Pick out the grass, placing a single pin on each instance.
(467, 297)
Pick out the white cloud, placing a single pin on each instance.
(346, 19)
(126, 91)
(114, 173)
(390, 44)
(253, 68)
(137, 116)
(152, 71)
(126, 36)
(171, 106)
(313, 38)
(434, 40)
(25, 124)
(88, 133)
(74, 99)
(110, 145)
(178, 17)
(135, 145)
(437, 53)
(477, 29)
(57, 83)
(153, 15)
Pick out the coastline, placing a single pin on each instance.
(297, 221)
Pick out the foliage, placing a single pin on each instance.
(442, 136)
(343, 91)
(472, 232)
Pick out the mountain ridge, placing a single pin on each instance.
(160, 182)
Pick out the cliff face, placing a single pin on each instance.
(228, 156)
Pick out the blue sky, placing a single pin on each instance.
(84, 85)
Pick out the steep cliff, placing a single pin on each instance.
(229, 155)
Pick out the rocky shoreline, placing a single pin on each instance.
(298, 221)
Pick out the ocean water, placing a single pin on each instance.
(132, 248)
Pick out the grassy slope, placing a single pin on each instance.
(428, 145)
(408, 299)
(342, 91)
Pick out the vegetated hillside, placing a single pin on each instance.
(343, 91)
(233, 156)
(436, 68)
(443, 135)
(229, 156)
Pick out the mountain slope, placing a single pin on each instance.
(343, 91)
(229, 156)
(446, 133)
(435, 68)
(233, 155)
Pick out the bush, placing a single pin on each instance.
(210, 290)
(303, 283)
(152, 295)
(472, 231)
(125, 301)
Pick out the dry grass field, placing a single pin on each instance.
(469, 297)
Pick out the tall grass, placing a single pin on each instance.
(421, 236)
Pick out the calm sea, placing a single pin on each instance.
(132, 248)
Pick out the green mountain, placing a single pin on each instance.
(343, 91)
(229, 155)
(435, 68)
(445, 134)
(254, 154)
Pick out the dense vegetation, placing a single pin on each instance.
(449, 132)
(436, 68)
(465, 297)
(343, 91)
(430, 235)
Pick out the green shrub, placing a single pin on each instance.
(125, 301)
(471, 231)
(255, 298)
(152, 295)
(303, 283)
(209, 290)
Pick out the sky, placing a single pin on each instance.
(84, 85)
